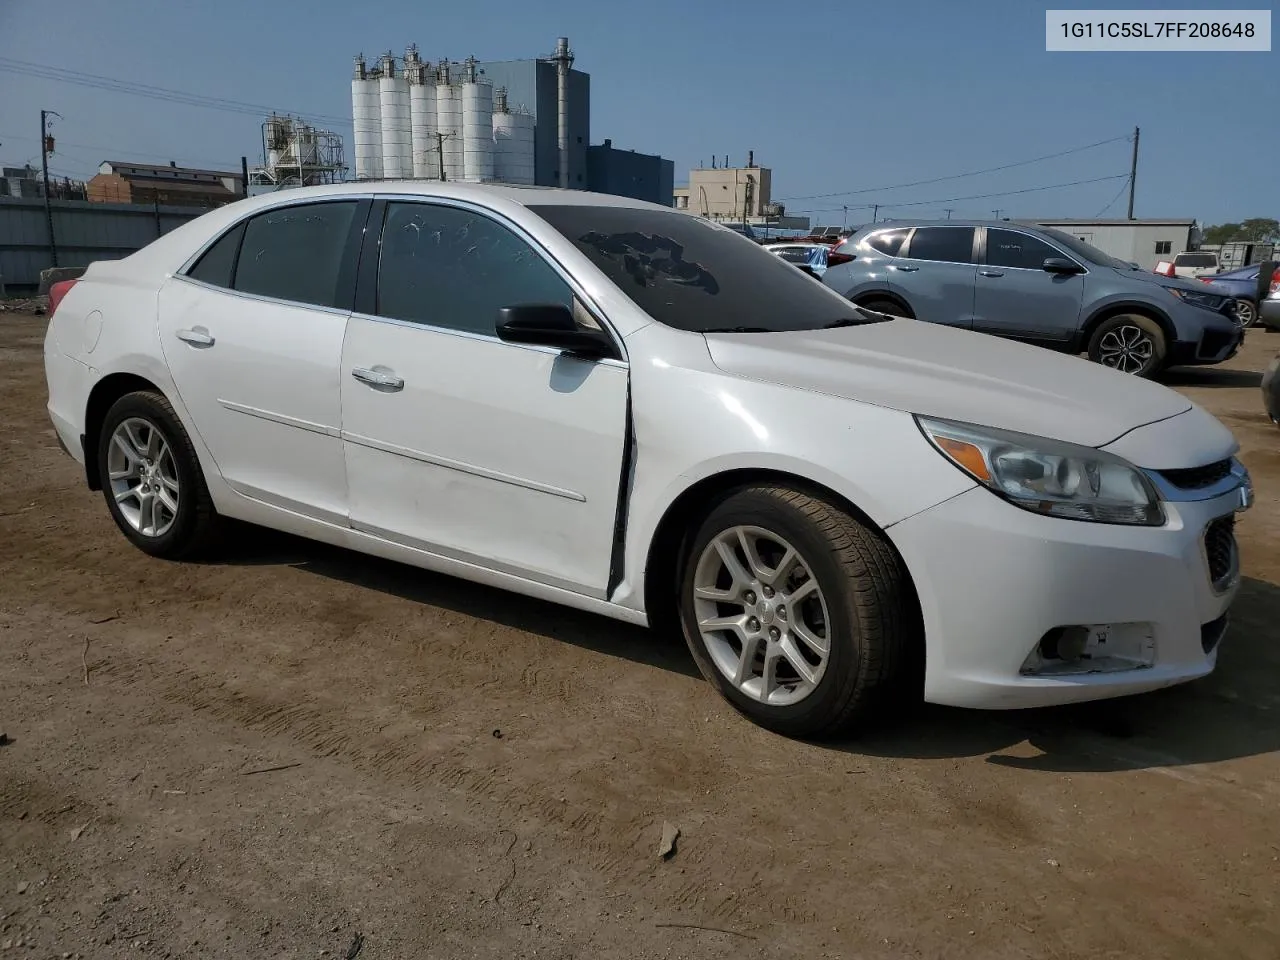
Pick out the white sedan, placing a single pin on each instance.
(634, 411)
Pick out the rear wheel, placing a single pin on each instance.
(885, 305)
(151, 478)
(799, 615)
(1246, 312)
(1130, 343)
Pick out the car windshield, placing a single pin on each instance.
(1084, 250)
(692, 274)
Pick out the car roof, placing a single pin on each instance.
(462, 190)
(957, 222)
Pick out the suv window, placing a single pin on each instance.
(295, 253)
(1195, 260)
(948, 244)
(452, 268)
(1005, 248)
(888, 242)
(218, 264)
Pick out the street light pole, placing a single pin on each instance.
(44, 163)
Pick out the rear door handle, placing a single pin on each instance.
(903, 269)
(378, 378)
(196, 336)
(992, 273)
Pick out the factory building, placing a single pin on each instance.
(626, 173)
(510, 121)
(1144, 242)
(119, 182)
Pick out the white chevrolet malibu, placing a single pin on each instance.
(633, 411)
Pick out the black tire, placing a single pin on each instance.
(872, 626)
(195, 522)
(1132, 329)
(885, 305)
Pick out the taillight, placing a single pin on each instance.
(1275, 283)
(835, 259)
(1166, 269)
(57, 292)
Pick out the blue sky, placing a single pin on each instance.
(831, 96)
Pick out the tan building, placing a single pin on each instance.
(726, 193)
(173, 185)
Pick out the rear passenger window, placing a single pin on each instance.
(218, 264)
(1005, 248)
(295, 253)
(888, 242)
(448, 267)
(949, 244)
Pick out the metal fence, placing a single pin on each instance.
(83, 231)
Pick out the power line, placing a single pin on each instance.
(1123, 187)
(958, 176)
(982, 196)
(97, 82)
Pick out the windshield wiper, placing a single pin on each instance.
(866, 316)
(740, 330)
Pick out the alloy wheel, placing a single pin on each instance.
(762, 615)
(1127, 348)
(143, 477)
(1246, 313)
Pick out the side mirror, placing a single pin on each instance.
(1061, 265)
(551, 325)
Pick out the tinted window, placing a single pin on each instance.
(452, 268)
(888, 242)
(1085, 251)
(1008, 249)
(794, 254)
(691, 274)
(295, 253)
(217, 265)
(1195, 260)
(952, 244)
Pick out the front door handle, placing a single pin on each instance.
(375, 377)
(196, 336)
(992, 273)
(904, 269)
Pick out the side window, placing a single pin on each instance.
(949, 244)
(1164, 246)
(218, 264)
(1008, 249)
(794, 254)
(888, 242)
(295, 253)
(452, 268)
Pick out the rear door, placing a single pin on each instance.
(252, 334)
(936, 274)
(1016, 297)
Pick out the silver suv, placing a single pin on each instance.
(1038, 285)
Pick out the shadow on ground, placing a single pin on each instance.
(1210, 377)
(1231, 714)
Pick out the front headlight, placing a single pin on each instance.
(1048, 476)
(1207, 301)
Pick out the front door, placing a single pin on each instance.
(457, 443)
(936, 273)
(1016, 297)
(253, 339)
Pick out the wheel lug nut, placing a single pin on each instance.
(782, 613)
(774, 633)
(753, 624)
(749, 596)
(768, 592)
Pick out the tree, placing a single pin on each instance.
(1264, 229)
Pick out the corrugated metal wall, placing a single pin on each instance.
(84, 232)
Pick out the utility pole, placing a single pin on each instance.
(440, 139)
(845, 221)
(875, 212)
(244, 176)
(46, 147)
(1133, 170)
(948, 210)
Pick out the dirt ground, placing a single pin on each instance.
(303, 752)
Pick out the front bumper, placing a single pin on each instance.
(1215, 344)
(993, 580)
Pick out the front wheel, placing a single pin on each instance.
(1130, 343)
(799, 615)
(885, 305)
(1246, 312)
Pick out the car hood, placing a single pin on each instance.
(939, 371)
(1146, 276)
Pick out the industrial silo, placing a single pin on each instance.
(477, 126)
(393, 93)
(449, 122)
(422, 117)
(513, 142)
(366, 123)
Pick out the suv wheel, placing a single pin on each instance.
(1130, 343)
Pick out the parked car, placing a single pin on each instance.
(1271, 390)
(623, 408)
(813, 258)
(1246, 286)
(1191, 264)
(1039, 285)
(1269, 308)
